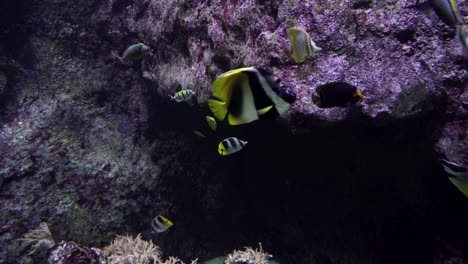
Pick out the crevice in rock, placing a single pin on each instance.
(362, 4)
(405, 36)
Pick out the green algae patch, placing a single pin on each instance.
(218, 260)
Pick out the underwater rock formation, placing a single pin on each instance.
(398, 53)
(94, 147)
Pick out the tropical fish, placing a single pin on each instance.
(230, 145)
(211, 122)
(302, 45)
(199, 134)
(134, 52)
(457, 174)
(447, 10)
(160, 224)
(183, 95)
(462, 33)
(339, 94)
(246, 94)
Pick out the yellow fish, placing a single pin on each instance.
(302, 45)
(199, 134)
(230, 145)
(183, 95)
(211, 122)
(161, 224)
(246, 94)
(447, 10)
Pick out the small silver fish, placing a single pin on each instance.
(183, 95)
(134, 52)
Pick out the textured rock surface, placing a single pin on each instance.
(93, 146)
(403, 58)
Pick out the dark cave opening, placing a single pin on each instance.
(349, 192)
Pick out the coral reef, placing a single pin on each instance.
(249, 256)
(126, 249)
(40, 239)
(95, 148)
(71, 253)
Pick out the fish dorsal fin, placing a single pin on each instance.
(280, 104)
(218, 108)
(264, 110)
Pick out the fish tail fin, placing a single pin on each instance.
(121, 59)
(264, 110)
(361, 96)
(172, 97)
(461, 186)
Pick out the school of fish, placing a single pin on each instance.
(247, 94)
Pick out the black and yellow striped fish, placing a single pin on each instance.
(246, 94)
(161, 224)
(183, 95)
(230, 145)
(447, 10)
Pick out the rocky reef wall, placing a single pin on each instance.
(95, 148)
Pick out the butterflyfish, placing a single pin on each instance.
(134, 52)
(230, 145)
(340, 94)
(160, 224)
(211, 122)
(246, 94)
(457, 174)
(183, 95)
(447, 10)
(302, 45)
